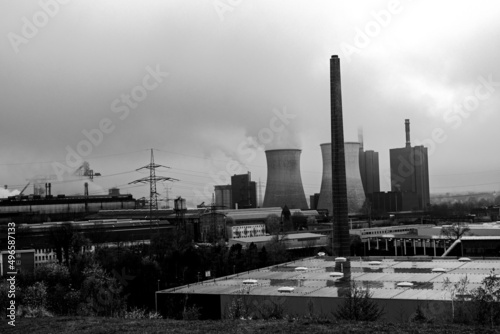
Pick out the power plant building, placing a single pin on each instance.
(223, 196)
(243, 192)
(410, 174)
(355, 191)
(284, 183)
(369, 169)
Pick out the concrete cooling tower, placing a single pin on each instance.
(355, 192)
(284, 183)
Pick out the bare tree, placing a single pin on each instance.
(456, 230)
(457, 291)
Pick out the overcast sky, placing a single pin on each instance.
(197, 80)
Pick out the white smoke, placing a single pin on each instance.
(75, 185)
(4, 193)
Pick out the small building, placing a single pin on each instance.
(292, 241)
(23, 261)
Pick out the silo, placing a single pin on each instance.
(355, 192)
(284, 183)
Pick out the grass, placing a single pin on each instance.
(93, 325)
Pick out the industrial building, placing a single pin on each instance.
(284, 182)
(291, 241)
(243, 192)
(36, 209)
(398, 284)
(410, 174)
(368, 167)
(223, 196)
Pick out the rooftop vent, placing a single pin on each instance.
(250, 282)
(286, 289)
(374, 263)
(301, 269)
(336, 275)
(405, 284)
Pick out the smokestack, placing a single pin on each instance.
(284, 183)
(341, 242)
(50, 189)
(407, 130)
(5, 187)
(86, 193)
(360, 138)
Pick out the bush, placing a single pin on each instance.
(138, 313)
(358, 305)
(101, 294)
(420, 316)
(486, 301)
(33, 312)
(35, 296)
(191, 313)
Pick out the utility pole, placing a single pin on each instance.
(152, 179)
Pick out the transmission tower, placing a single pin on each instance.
(152, 179)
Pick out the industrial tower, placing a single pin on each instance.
(152, 179)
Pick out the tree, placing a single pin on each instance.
(358, 305)
(486, 300)
(457, 291)
(102, 293)
(311, 220)
(60, 237)
(299, 221)
(273, 224)
(455, 231)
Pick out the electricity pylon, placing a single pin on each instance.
(152, 179)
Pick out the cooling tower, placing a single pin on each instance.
(355, 192)
(284, 184)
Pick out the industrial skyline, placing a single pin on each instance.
(113, 80)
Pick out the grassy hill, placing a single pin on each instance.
(92, 325)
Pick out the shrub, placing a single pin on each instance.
(33, 312)
(358, 305)
(35, 296)
(138, 313)
(191, 313)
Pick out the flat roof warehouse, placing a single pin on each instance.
(315, 285)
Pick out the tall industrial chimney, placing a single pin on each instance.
(284, 183)
(407, 130)
(341, 242)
